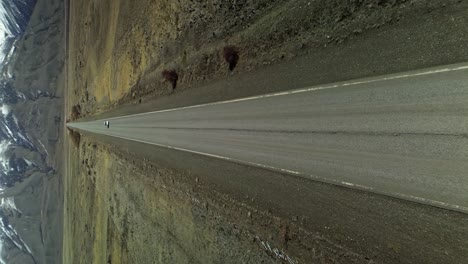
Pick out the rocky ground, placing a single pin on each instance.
(125, 207)
(135, 217)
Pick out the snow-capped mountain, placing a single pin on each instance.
(12, 167)
(12, 243)
(14, 18)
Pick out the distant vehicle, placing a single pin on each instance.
(106, 124)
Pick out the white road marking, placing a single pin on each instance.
(456, 67)
(211, 155)
(313, 177)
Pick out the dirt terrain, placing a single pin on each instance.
(128, 203)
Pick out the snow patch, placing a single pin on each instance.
(4, 144)
(30, 163)
(45, 149)
(9, 203)
(5, 109)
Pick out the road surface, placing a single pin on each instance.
(403, 135)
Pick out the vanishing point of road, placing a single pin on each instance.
(403, 135)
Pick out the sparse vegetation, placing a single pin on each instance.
(75, 137)
(76, 112)
(171, 76)
(231, 55)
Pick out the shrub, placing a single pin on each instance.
(75, 137)
(76, 112)
(231, 56)
(171, 76)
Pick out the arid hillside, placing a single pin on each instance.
(120, 50)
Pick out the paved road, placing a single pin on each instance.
(403, 135)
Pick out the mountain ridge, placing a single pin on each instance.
(14, 18)
(30, 116)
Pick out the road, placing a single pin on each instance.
(403, 135)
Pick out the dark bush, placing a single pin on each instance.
(76, 112)
(75, 137)
(231, 55)
(171, 76)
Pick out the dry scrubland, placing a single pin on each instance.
(122, 209)
(132, 216)
(119, 49)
